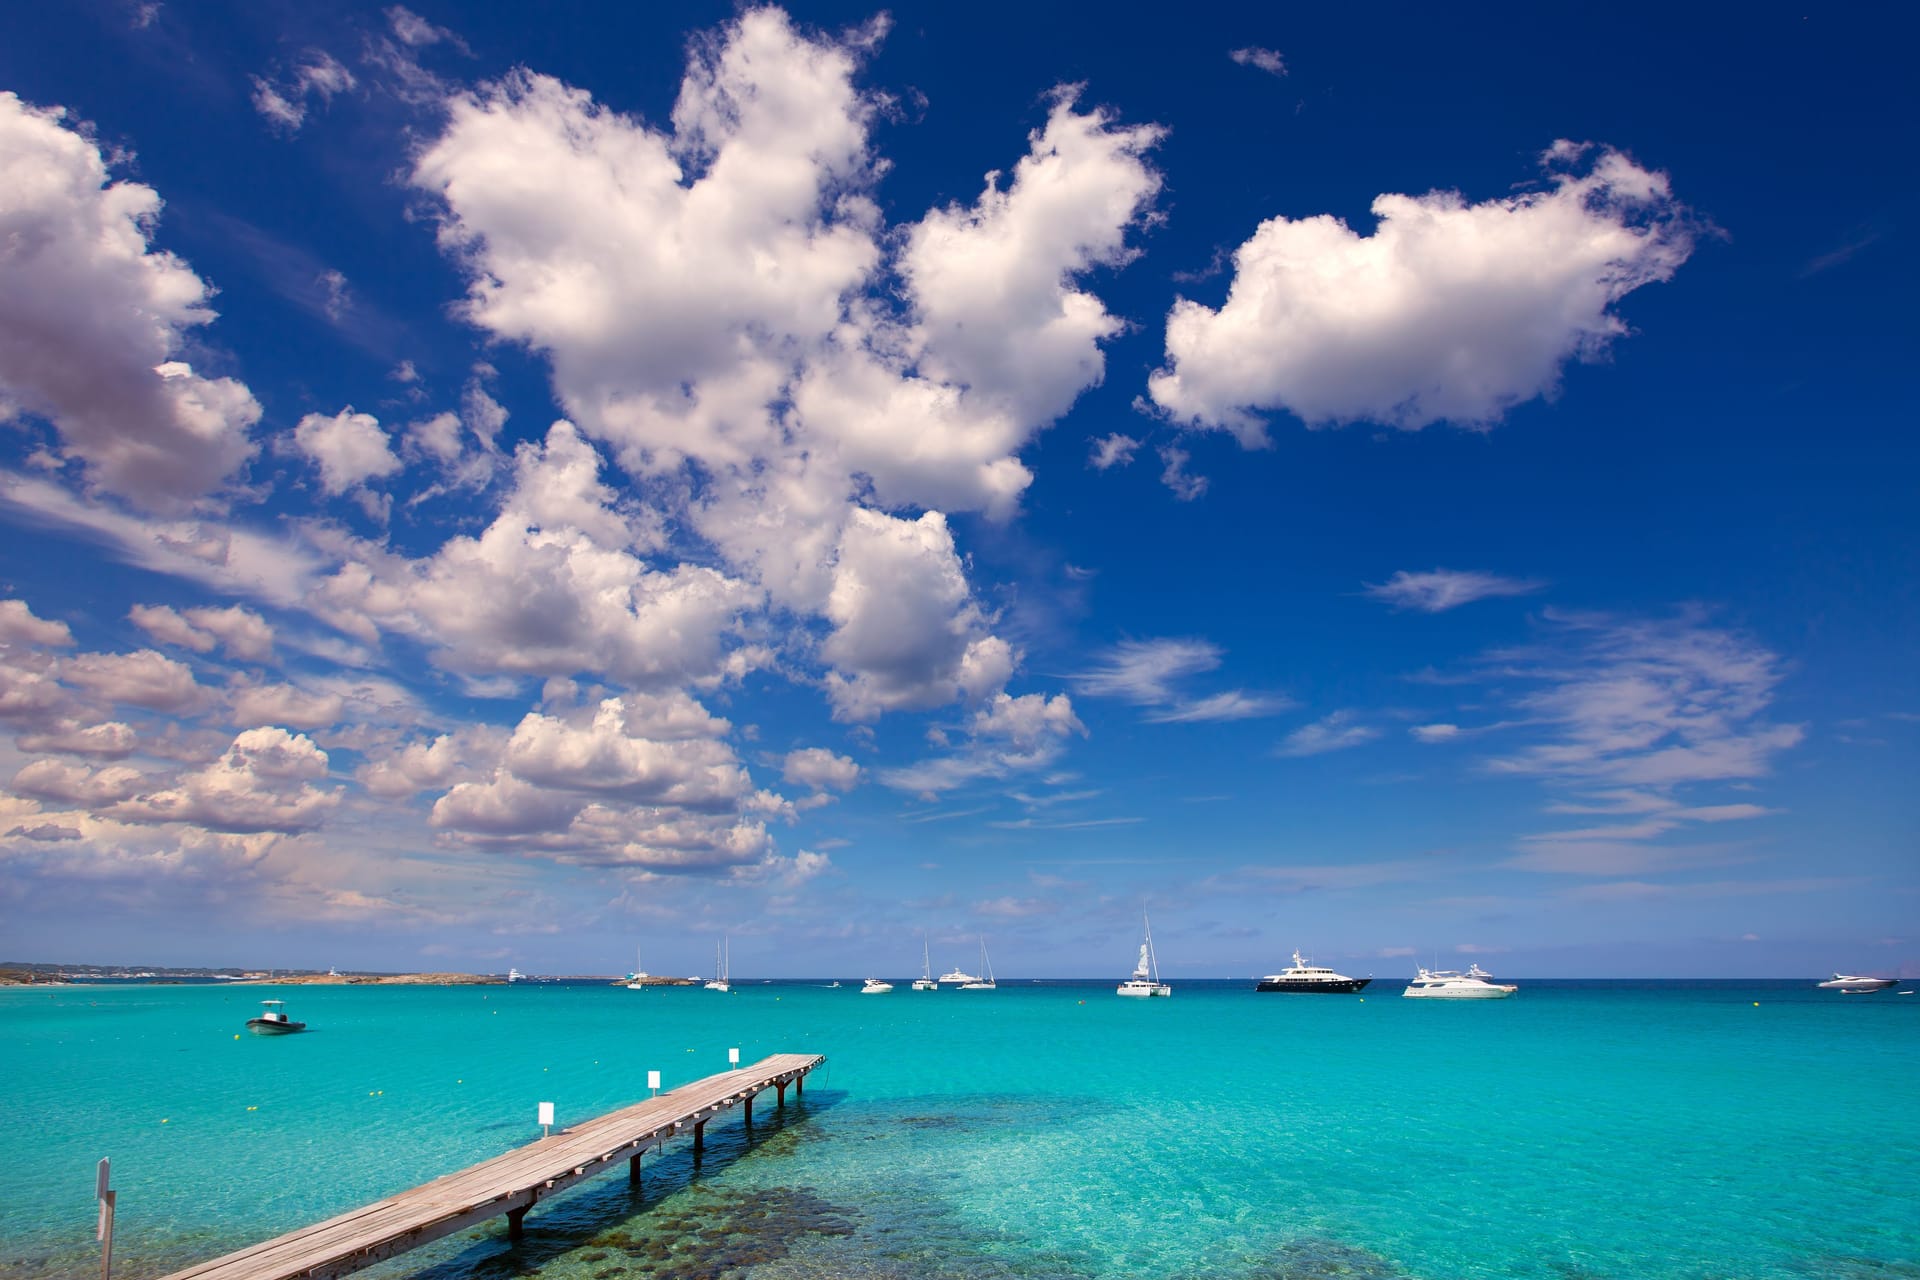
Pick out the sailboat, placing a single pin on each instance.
(1146, 974)
(720, 957)
(925, 981)
(637, 980)
(986, 965)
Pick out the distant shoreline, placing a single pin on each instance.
(374, 980)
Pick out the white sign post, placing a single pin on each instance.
(733, 1057)
(104, 1233)
(546, 1119)
(653, 1082)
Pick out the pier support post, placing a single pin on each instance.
(700, 1137)
(514, 1218)
(747, 1113)
(799, 1085)
(633, 1170)
(782, 1086)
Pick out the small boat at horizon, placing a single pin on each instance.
(637, 980)
(925, 981)
(1313, 978)
(720, 958)
(1145, 981)
(980, 984)
(1451, 984)
(1854, 984)
(514, 975)
(273, 1020)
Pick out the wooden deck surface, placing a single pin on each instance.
(509, 1183)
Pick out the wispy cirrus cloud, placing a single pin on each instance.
(1334, 732)
(1437, 590)
(1149, 673)
(1655, 704)
(1630, 718)
(1267, 60)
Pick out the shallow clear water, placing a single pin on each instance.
(1577, 1130)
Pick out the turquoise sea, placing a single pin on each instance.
(1580, 1129)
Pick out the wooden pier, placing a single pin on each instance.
(510, 1183)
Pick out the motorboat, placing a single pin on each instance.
(925, 981)
(514, 975)
(1146, 973)
(720, 959)
(1306, 977)
(955, 977)
(981, 984)
(875, 987)
(1855, 984)
(1451, 984)
(273, 1020)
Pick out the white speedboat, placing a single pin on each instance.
(514, 975)
(1311, 978)
(273, 1020)
(875, 987)
(1855, 984)
(720, 958)
(980, 984)
(1146, 973)
(925, 981)
(1451, 984)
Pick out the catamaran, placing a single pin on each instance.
(1146, 974)
(925, 981)
(720, 958)
(980, 984)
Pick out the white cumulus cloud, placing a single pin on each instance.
(1448, 311)
(93, 321)
(349, 448)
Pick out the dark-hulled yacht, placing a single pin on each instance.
(1306, 977)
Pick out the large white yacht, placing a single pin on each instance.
(1451, 984)
(875, 987)
(1854, 984)
(1311, 978)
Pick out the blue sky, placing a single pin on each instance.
(481, 490)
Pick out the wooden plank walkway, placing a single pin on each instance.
(511, 1183)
